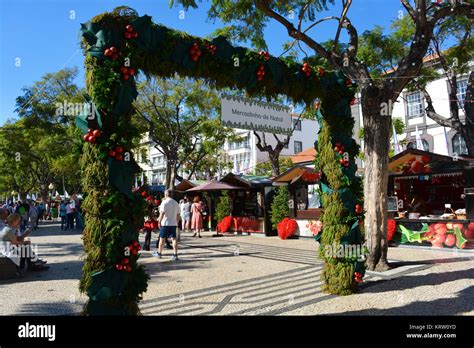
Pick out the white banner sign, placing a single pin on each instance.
(245, 113)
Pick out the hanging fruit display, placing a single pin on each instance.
(130, 32)
(116, 153)
(260, 72)
(195, 52)
(112, 52)
(92, 135)
(358, 277)
(211, 48)
(307, 70)
(265, 55)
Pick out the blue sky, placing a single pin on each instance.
(45, 39)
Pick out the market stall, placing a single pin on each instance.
(429, 201)
(249, 210)
(304, 200)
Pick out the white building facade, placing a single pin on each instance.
(410, 108)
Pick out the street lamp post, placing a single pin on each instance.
(51, 187)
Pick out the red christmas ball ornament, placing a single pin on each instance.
(124, 70)
(112, 153)
(119, 149)
(139, 247)
(358, 209)
(133, 251)
(86, 137)
(92, 139)
(126, 77)
(135, 243)
(125, 261)
(128, 268)
(129, 28)
(119, 267)
(341, 161)
(157, 202)
(128, 35)
(144, 194)
(134, 34)
(321, 71)
(131, 71)
(119, 157)
(108, 52)
(96, 133)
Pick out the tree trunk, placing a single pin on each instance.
(275, 163)
(44, 196)
(170, 171)
(377, 145)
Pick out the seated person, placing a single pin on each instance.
(7, 235)
(3, 217)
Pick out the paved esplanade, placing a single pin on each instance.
(245, 275)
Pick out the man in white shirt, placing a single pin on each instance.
(168, 222)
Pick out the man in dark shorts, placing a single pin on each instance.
(168, 222)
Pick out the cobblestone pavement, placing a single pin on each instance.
(246, 275)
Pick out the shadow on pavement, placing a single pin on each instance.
(443, 306)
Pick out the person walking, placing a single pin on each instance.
(196, 220)
(33, 215)
(186, 214)
(62, 214)
(70, 216)
(168, 222)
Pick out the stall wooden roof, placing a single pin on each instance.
(293, 172)
(187, 184)
(246, 181)
(436, 162)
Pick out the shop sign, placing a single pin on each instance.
(249, 114)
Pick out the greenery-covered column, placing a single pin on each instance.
(112, 279)
(342, 238)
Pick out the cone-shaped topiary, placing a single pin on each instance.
(279, 207)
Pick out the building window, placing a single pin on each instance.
(245, 143)
(298, 146)
(459, 145)
(412, 145)
(297, 125)
(461, 92)
(414, 105)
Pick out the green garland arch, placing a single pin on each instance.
(120, 43)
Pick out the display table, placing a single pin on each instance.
(437, 233)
